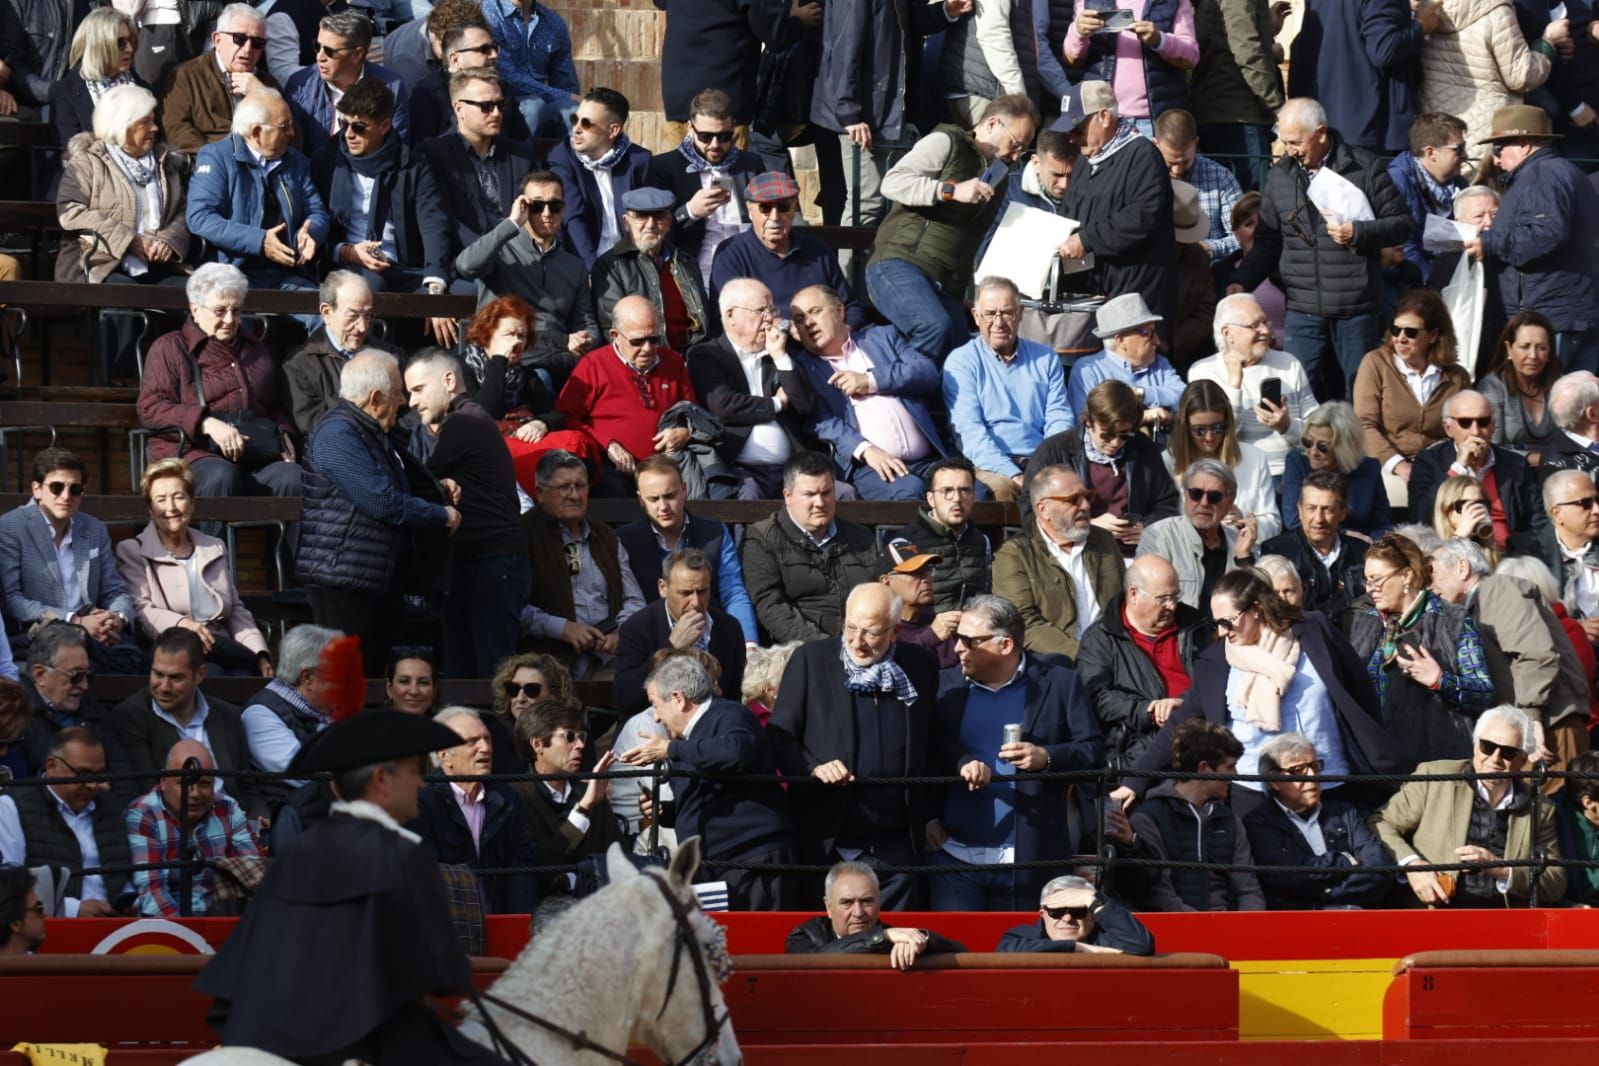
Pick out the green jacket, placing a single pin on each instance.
(1027, 574)
(1237, 78)
(941, 239)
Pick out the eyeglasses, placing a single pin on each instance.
(126, 42)
(567, 488)
(36, 907)
(1075, 499)
(1122, 435)
(973, 640)
(708, 136)
(1460, 505)
(1320, 447)
(774, 207)
(73, 488)
(75, 678)
(852, 630)
(1375, 582)
(950, 492)
(571, 736)
(1258, 326)
(225, 312)
(1214, 429)
(1170, 599)
(1229, 625)
(1057, 913)
(1210, 496)
(649, 340)
(488, 107)
(759, 312)
(75, 772)
(242, 39)
(1407, 332)
(281, 127)
(998, 316)
(542, 207)
(1458, 149)
(1585, 503)
(528, 690)
(1485, 421)
(332, 52)
(1304, 769)
(1508, 752)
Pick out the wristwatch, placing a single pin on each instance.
(946, 191)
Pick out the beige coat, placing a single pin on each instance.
(1476, 61)
(1395, 423)
(160, 587)
(96, 196)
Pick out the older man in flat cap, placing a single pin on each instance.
(646, 262)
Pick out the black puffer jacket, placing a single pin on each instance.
(1320, 276)
(964, 559)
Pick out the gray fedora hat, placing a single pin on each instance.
(1122, 314)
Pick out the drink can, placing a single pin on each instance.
(1013, 733)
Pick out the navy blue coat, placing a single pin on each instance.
(732, 818)
(406, 195)
(1275, 842)
(227, 196)
(1546, 235)
(1114, 927)
(716, 44)
(1419, 202)
(458, 186)
(583, 221)
(871, 52)
(1369, 512)
(1361, 59)
(899, 370)
(1517, 485)
(503, 844)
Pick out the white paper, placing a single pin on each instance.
(1024, 245)
(1445, 235)
(1338, 198)
(1464, 298)
(1557, 12)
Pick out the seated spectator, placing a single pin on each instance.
(1298, 828)
(707, 174)
(1577, 820)
(1245, 217)
(73, 825)
(681, 616)
(860, 707)
(1200, 543)
(1284, 577)
(1427, 175)
(312, 371)
(16, 712)
(736, 821)
(667, 527)
(773, 253)
(1244, 362)
(536, 63)
(1132, 355)
(199, 103)
(21, 913)
(375, 522)
(1424, 820)
(210, 396)
(1333, 440)
(1424, 656)
(519, 683)
(185, 817)
(1569, 544)
(314, 91)
(1177, 136)
(583, 585)
(271, 232)
(1402, 387)
(763, 677)
(944, 528)
(1061, 572)
(1005, 394)
(293, 708)
(1518, 383)
(1188, 819)
(173, 708)
(411, 680)
(597, 165)
(1137, 661)
(479, 172)
(1511, 488)
(1328, 559)
(1460, 509)
(854, 923)
(872, 391)
(567, 820)
(1129, 487)
(619, 393)
(1073, 916)
(800, 564)
(748, 378)
(57, 688)
(467, 44)
(1206, 428)
(104, 45)
(478, 823)
(1574, 403)
(56, 566)
(907, 572)
(1000, 812)
(645, 262)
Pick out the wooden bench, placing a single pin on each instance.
(19, 417)
(1493, 993)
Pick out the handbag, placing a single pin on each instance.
(263, 441)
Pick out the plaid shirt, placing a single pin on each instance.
(1219, 192)
(1467, 685)
(153, 837)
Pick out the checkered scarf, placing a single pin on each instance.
(883, 676)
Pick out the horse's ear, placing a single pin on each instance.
(685, 860)
(617, 866)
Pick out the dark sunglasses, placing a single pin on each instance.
(532, 690)
(1509, 752)
(1485, 421)
(56, 488)
(1217, 430)
(1460, 505)
(1320, 447)
(358, 128)
(707, 136)
(1210, 496)
(581, 123)
(332, 52)
(1408, 332)
(1057, 913)
(1227, 625)
(488, 107)
(1583, 503)
(771, 207)
(543, 207)
(972, 640)
(571, 736)
(241, 39)
(480, 49)
(1304, 769)
(639, 342)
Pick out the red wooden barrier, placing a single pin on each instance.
(1479, 994)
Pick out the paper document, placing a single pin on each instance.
(1445, 235)
(1024, 247)
(1465, 297)
(1338, 198)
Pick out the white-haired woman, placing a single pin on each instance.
(1333, 439)
(763, 674)
(101, 59)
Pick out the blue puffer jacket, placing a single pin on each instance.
(226, 194)
(357, 503)
(1361, 59)
(1545, 236)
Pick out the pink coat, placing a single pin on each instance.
(160, 587)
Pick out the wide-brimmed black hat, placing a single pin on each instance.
(372, 737)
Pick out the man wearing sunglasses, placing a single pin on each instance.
(21, 913)
(315, 91)
(567, 821)
(197, 107)
(1507, 480)
(477, 169)
(598, 164)
(1427, 175)
(707, 174)
(57, 686)
(1424, 820)
(469, 45)
(1073, 916)
(1197, 542)
(1569, 546)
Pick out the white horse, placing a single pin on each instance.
(637, 963)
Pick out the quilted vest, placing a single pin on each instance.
(940, 239)
(51, 843)
(1167, 86)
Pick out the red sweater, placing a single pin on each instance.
(602, 397)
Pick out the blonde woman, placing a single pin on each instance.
(101, 59)
(763, 675)
(1461, 509)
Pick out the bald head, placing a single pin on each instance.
(1151, 573)
(184, 750)
(197, 792)
(636, 331)
(744, 313)
(871, 622)
(1152, 591)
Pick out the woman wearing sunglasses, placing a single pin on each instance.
(1461, 509)
(1517, 384)
(1402, 386)
(1424, 656)
(1205, 428)
(523, 680)
(1333, 440)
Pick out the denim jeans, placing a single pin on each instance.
(972, 890)
(932, 320)
(1309, 339)
(1244, 149)
(536, 110)
(1578, 349)
(481, 614)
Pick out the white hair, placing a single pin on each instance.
(1215, 468)
(215, 279)
(1511, 715)
(1571, 395)
(1064, 883)
(1279, 566)
(1224, 316)
(1554, 486)
(301, 649)
(233, 13)
(1458, 550)
(119, 109)
(1535, 573)
(764, 669)
(252, 111)
(1303, 112)
(368, 371)
(844, 869)
(1463, 394)
(1421, 535)
(444, 718)
(1473, 192)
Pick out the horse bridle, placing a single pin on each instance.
(683, 937)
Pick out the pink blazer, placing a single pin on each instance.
(160, 588)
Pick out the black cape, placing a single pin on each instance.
(349, 931)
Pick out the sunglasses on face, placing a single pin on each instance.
(778, 207)
(1584, 503)
(1407, 332)
(241, 39)
(1210, 496)
(1460, 505)
(56, 488)
(571, 736)
(332, 52)
(358, 128)
(1304, 769)
(1320, 447)
(717, 136)
(480, 49)
(1078, 914)
(488, 107)
(1485, 421)
(75, 678)
(581, 123)
(973, 640)
(1076, 499)
(546, 207)
(1508, 752)
(1228, 625)
(530, 690)
(1218, 429)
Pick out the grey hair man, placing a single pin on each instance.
(1574, 405)
(854, 923)
(1198, 542)
(345, 305)
(1073, 916)
(1508, 481)
(293, 707)
(199, 98)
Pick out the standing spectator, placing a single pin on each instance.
(1359, 58)
(1574, 403)
(488, 580)
(467, 45)
(1177, 137)
(1074, 917)
(681, 615)
(1005, 394)
(647, 262)
(1428, 177)
(1330, 565)
(567, 821)
(282, 718)
(1245, 220)
(167, 35)
(199, 102)
(344, 302)
(1478, 60)
(718, 45)
(478, 171)
(101, 59)
(1519, 382)
(860, 707)
(1512, 490)
(707, 175)
(597, 165)
(989, 55)
(1332, 439)
(1205, 428)
(1131, 354)
(943, 528)
(1147, 63)
(925, 252)
(800, 564)
(1331, 268)
(1545, 238)
(415, 48)
(536, 63)
(314, 92)
(1237, 86)
(373, 516)
(1062, 572)
(1403, 386)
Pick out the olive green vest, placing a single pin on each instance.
(940, 239)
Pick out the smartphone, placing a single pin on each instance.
(995, 173)
(723, 182)
(1118, 20)
(1271, 390)
(1408, 644)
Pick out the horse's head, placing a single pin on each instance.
(689, 1022)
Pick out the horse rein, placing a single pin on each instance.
(684, 936)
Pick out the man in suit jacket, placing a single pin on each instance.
(684, 617)
(1574, 406)
(173, 708)
(478, 172)
(860, 707)
(597, 164)
(997, 814)
(56, 564)
(742, 821)
(748, 378)
(707, 174)
(1508, 480)
(888, 454)
(567, 821)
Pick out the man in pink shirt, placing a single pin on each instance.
(1146, 63)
